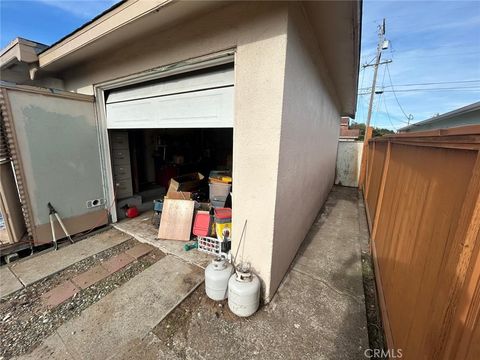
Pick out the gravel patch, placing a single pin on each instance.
(25, 321)
(376, 335)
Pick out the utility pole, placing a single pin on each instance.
(382, 45)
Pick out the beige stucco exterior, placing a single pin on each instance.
(308, 143)
(258, 33)
(287, 110)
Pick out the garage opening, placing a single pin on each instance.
(145, 160)
(171, 143)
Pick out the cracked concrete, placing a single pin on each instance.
(317, 313)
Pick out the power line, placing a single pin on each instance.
(464, 88)
(439, 83)
(416, 56)
(408, 117)
(430, 83)
(388, 114)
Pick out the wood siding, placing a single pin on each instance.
(422, 194)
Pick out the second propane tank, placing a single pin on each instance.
(243, 292)
(217, 274)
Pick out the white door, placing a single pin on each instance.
(56, 159)
(198, 100)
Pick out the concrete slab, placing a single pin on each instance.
(126, 315)
(51, 349)
(38, 267)
(317, 313)
(148, 348)
(59, 294)
(331, 251)
(306, 319)
(141, 228)
(8, 282)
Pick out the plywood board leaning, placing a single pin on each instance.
(176, 221)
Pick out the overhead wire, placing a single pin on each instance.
(408, 117)
(464, 88)
(429, 83)
(388, 114)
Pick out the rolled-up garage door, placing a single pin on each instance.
(199, 100)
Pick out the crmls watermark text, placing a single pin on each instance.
(383, 354)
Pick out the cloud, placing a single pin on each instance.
(84, 9)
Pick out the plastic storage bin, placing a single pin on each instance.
(219, 190)
(203, 225)
(218, 201)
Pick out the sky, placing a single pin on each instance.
(430, 42)
(45, 21)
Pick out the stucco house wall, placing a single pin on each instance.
(258, 32)
(286, 123)
(308, 143)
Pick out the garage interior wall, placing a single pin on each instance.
(258, 33)
(308, 144)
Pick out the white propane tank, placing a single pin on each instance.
(243, 292)
(217, 274)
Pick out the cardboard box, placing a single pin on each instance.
(181, 186)
(186, 182)
(178, 195)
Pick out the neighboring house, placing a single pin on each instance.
(347, 134)
(269, 79)
(467, 115)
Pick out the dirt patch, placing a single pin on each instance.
(26, 321)
(173, 330)
(376, 335)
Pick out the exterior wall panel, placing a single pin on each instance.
(308, 144)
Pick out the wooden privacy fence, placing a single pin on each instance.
(422, 195)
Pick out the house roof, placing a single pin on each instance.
(20, 50)
(114, 6)
(449, 115)
(335, 24)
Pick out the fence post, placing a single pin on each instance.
(368, 175)
(363, 166)
(378, 207)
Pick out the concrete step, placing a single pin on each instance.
(9, 283)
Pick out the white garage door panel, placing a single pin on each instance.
(198, 109)
(130, 114)
(212, 79)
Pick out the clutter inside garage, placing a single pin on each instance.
(184, 176)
